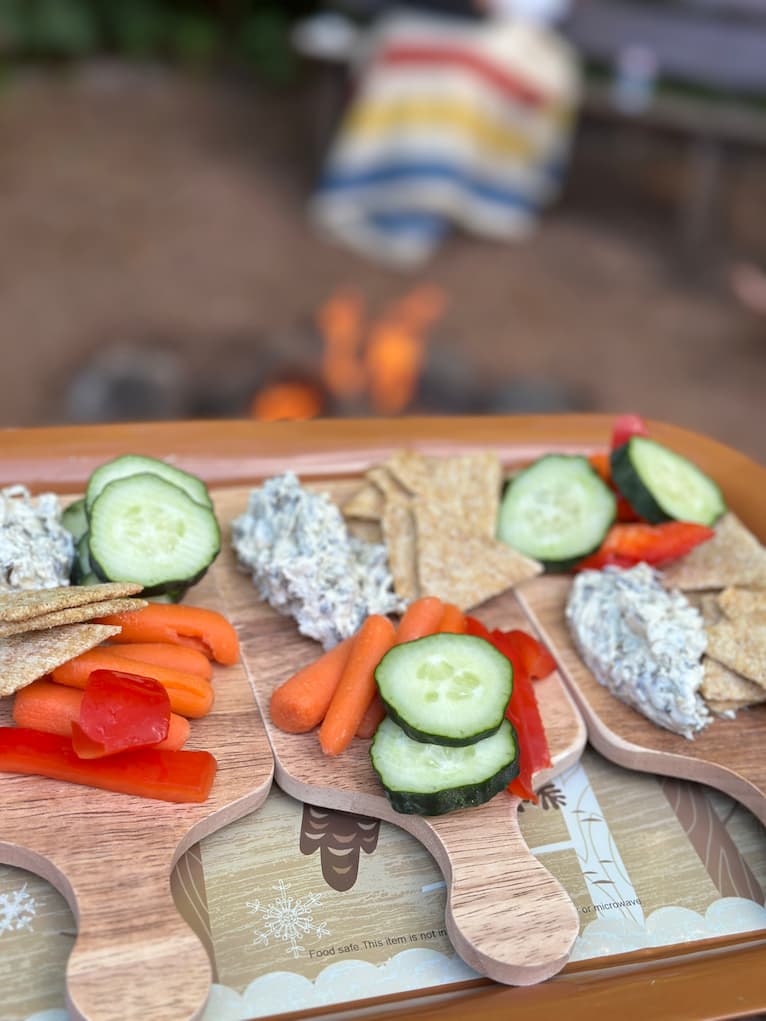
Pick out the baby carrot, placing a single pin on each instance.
(356, 688)
(376, 710)
(300, 703)
(53, 708)
(190, 694)
(453, 620)
(180, 624)
(421, 618)
(177, 657)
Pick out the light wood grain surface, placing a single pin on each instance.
(111, 856)
(727, 755)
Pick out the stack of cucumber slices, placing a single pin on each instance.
(558, 509)
(445, 743)
(145, 521)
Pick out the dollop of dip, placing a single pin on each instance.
(305, 563)
(642, 642)
(36, 550)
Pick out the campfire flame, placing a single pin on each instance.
(380, 362)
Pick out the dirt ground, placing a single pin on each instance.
(158, 224)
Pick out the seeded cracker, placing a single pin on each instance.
(72, 615)
(720, 684)
(365, 503)
(462, 568)
(741, 646)
(732, 557)
(399, 535)
(726, 707)
(27, 603)
(25, 657)
(741, 602)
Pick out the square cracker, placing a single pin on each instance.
(734, 556)
(743, 602)
(25, 657)
(71, 615)
(365, 503)
(741, 646)
(464, 485)
(463, 568)
(25, 603)
(720, 684)
(399, 534)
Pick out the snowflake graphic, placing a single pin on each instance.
(287, 919)
(17, 909)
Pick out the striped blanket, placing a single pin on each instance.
(450, 124)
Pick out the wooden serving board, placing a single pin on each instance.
(727, 755)
(111, 856)
(507, 917)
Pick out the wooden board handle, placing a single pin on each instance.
(135, 957)
(507, 916)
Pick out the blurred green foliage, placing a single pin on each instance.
(248, 34)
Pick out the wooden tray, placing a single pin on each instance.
(710, 981)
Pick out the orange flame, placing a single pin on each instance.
(383, 362)
(286, 401)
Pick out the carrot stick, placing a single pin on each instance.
(51, 707)
(300, 703)
(453, 620)
(376, 710)
(206, 630)
(177, 657)
(420, 618)
(356, 688)
(190, 694)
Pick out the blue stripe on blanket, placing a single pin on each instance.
(427, 225)
(339, 180)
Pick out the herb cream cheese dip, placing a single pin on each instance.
(642, 642)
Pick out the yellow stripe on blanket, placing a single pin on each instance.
(369, 118)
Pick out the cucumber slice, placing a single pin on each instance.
(445, 688)
(82, 566)
(431, 779)
(134, 464)
(148, 530)
(75, 519)
(661, 485)
(557, 510)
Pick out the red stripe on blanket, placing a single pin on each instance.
(500, 78)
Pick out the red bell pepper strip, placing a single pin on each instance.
(533, 655)
(118, 712)
(179, 776)
(522, 711)
(628, 544)
(625, 426)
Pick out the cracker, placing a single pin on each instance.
(741, 646)
(734, 556)
(25, 603)
(463, 568)
(727, 707)
(25, 657)
(399, 534)
(719, 683)
(707, 604)
(466, 486)
(71, 615)
(365, 503)
(742, 602)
